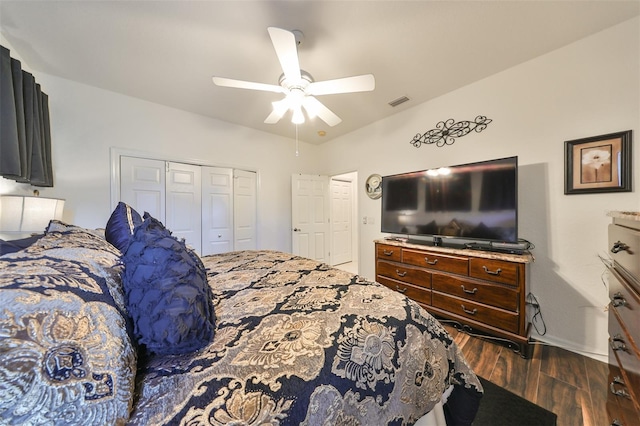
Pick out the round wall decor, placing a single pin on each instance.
(374, 186)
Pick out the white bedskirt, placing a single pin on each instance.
(435, 417)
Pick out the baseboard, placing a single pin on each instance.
(570, 346)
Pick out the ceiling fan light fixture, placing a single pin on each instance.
(310, 107)
(295, 97)
(301, 83)
(310, 113)
(298, 116)
(281, 106)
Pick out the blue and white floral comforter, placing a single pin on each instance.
(298, 342)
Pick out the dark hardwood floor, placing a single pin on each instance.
(572, 386)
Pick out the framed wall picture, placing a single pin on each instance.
(598, 164)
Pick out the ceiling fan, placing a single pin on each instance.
(298, 85)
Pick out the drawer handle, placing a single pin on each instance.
(430, 262)
(618, 392)
(616, 422)
(469, 291)
(387, 253)
(401, 274)
(399, 290)
(496, 272)
(619, 246)
(618, 300)
(617, 343)
(468, 311)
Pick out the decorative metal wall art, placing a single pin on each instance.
(446, 132)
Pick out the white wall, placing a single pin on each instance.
(588, 88)
(86, 122)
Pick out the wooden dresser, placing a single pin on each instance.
(480, 292)
(623, 404)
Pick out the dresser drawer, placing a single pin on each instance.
(621, 416)
(384, 251)
(625, 303)
(624, 249)
(436, 261)
(497, 271)
(619, 406)
(482, 292)
(626, 355)
(419, 294)
(499, 318)
(404, 273)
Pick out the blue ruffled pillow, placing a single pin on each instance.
(121, 224)
(167, 292)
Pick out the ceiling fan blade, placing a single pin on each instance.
(240, 84)
(279, 109)
(359, 83)
(284, 42)
(274, 117)
(316, 108)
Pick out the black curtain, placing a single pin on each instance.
(25, 135)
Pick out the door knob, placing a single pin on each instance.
(296, 230)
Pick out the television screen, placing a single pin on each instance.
(476, 201)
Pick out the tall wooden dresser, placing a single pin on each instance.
(623, 404)
(477, 291)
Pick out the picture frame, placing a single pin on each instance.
(598, 164)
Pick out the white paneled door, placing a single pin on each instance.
(214, 209)
(244, 210)
(217, 210)
(341, 221)
(310, 216)
(142, 185)
(183, 203)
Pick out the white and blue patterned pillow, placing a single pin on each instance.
(66, 355)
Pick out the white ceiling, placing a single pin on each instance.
(167, 51)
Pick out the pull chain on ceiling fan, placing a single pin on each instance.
(298, 86)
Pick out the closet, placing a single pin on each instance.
(212, 208)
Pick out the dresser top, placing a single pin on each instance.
(625, 215)
(519, 258)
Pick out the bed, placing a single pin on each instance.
(290, 341)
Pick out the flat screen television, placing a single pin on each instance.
(476, 202)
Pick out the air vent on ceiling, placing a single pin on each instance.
(400, 100)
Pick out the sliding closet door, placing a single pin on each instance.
(183, 203)
(245, 209)
(142, 185)
(170, 192)
(217, 210)
(213, 208)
